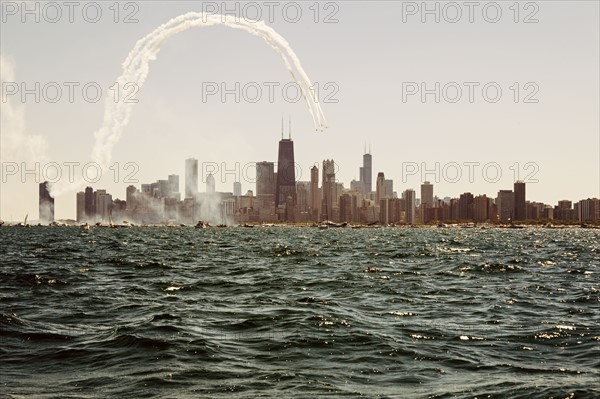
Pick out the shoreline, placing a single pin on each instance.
(442, 226)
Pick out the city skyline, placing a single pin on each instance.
(271, 181)
(280, 197)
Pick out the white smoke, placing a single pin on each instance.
(15, 144)
(136, 68)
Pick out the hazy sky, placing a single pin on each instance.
(373, 54)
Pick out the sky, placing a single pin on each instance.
(378, 66)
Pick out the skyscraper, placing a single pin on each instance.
(379, 188)
(46, 203)
(410, 198)
(427, 194)
(388, 188)
(174, 186)
(286, 173)
(102, 204)
(314, 192)
(130, 193)
(366, 172)
(90, 208)
(191, 177)
(237, 188)
(520, 205)
(210, 183)
(329, 190)
(80, 206)
(302, 195)
(164, 189)
(481, 207)
(265, 178)
(465, 206)
(505, 203)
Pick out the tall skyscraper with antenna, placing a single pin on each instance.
(286, 169)
(366, 171)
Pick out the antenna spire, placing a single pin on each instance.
(290, 126)
(282, 126)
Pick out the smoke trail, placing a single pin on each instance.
(15, 142)
(136, 68)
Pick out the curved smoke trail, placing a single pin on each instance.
(136, 68)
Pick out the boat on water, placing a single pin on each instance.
(328, 223)
(201, 225)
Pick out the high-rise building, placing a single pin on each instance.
(155, 189)
(427, 194)
(237, 188)
(329, 188)
(388, 188)
(286, 173)
(520, 201)
(481, 207)
(265, 188)
(347, 207)
(265, 178)
(191, 178)
(210, 183)
(588, 210)
(565, 204)
(379, 188)
(302, 195)
(46, 203)
(410, 201)
(164, 189)
(129, 197)
(314, 192)
(90, 208)
(465, 207)
(174, 186)
(102, 204)
(505, 203)
(564, 210)
(454, 209)
(80, 213)
(366, 172)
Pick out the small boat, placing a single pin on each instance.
(85, 226)
(329, 223)
(201, 225)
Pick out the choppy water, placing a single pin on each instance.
(290, 312)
